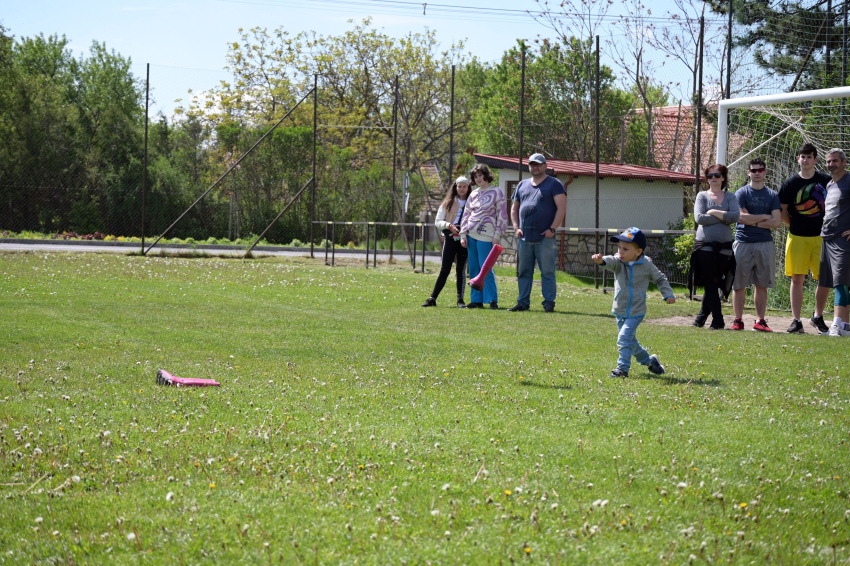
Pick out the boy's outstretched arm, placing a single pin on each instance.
(598, 259)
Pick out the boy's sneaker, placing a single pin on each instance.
(518, 308)
(430, 302)
(548, 308)
(461, 304)
(817, 322)
(655, 366)
(617, 372)
(475, 306)
(761, 326)
(494, 305)
(738, 324)
(796, 327)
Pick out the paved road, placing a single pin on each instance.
(80, 246)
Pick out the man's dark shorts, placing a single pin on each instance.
(835, 263)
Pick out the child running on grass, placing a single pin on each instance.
(633, 272)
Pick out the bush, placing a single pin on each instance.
(296, 243)
(683, 245)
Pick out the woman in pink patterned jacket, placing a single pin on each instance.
(484, 222)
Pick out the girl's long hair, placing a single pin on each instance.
(451, 196)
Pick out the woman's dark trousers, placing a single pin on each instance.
(451, 250)
(711, 266)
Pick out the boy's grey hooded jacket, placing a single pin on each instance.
(631, 283)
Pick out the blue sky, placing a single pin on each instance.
(195, 33)
(186, 41)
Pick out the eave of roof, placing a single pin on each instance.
(588, 169)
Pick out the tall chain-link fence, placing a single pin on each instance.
(637, 90)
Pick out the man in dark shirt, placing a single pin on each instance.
(802, 198)
(540, 204)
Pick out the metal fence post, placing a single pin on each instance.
(145, 173)
(699, 106)
(596, 136)
(452, 130)
(367, 246)
(424, 239)
(414, 247)
(395, 159)
(315, 135)
(333, 243)
(729, 55)
(521, 120)
(605, 271)
(843, 65)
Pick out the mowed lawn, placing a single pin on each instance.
(353, 426)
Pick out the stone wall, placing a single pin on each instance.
(578, 250)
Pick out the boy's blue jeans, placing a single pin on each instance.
(627, 343)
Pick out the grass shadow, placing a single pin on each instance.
(599, 314)
(545, 386)
(670, 380)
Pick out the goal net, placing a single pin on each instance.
(774, 127)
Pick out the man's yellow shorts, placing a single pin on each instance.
(802, 254)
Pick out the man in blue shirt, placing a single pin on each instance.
(755, 252)
(540, 204)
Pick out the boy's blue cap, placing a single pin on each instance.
(633, 235)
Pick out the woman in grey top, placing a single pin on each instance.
(713, 262)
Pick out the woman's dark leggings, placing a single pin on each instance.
(451, 250)
(711, 268)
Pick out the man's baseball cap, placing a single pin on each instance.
(633, 235)
(462, 179)
(537, 158)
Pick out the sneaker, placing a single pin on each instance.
(738, 324)
(699, 321)
(548, 308)
(430, 302)
(835, 330)
(817, 322)
(655, 366)
(795, 328)
(494, 305)
(461, 304)
(518, 308)
(717, 325)
(761, 326)
(475, 306)
(617, 372)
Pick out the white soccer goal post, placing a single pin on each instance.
(790, 111)
(773, 128)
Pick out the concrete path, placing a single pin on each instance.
(8, 244)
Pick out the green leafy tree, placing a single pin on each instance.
(69, 138)
(559, 102)
(789, 40)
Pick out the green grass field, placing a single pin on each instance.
(355, 427)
